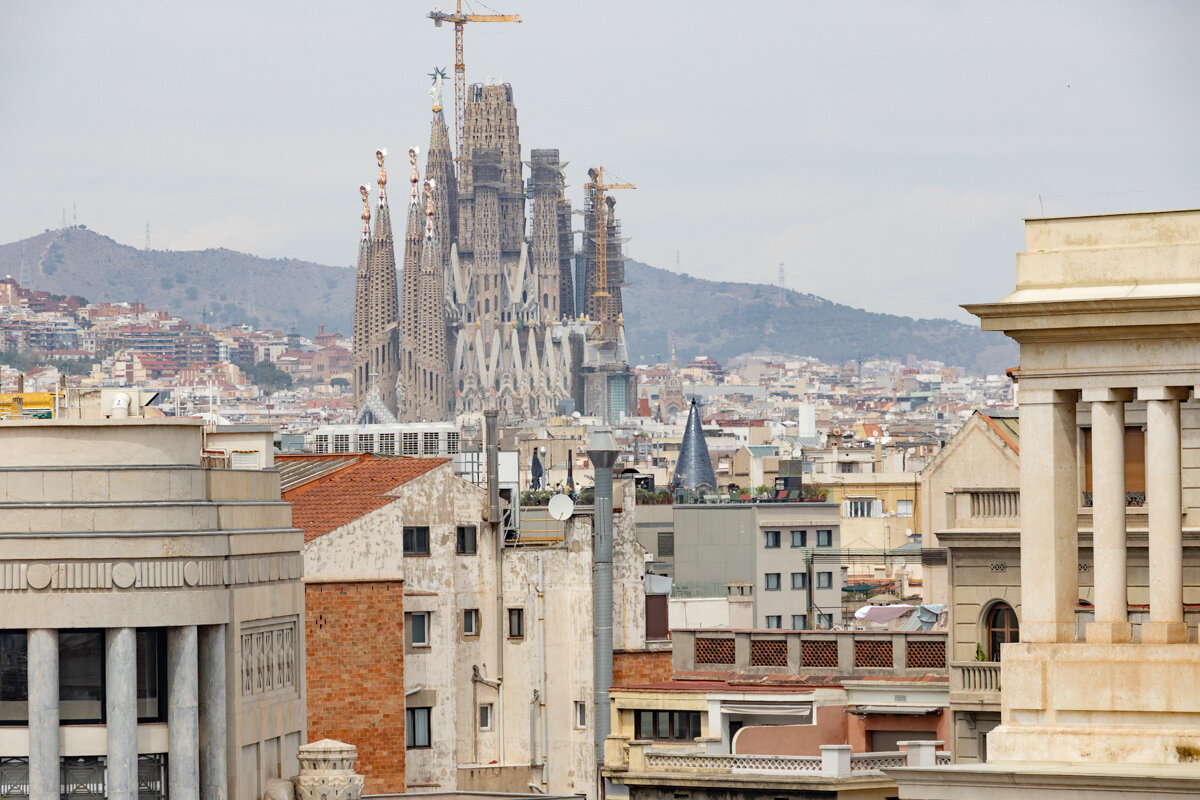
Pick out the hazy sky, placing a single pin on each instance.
(884, 152)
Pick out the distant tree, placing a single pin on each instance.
(340, 382)
(264, 374)
(26, 360)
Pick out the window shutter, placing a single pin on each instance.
(245, 459)
(845, 508)
(876, 508)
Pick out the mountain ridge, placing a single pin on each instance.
(721, 319)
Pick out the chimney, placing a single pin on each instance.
(602, 451)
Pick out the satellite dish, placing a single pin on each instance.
(561, 507)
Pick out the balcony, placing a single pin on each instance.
(836, 769)
(975, 684)
(984, 508)
(843, 653)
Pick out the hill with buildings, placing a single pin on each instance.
(217, 286)
(718, 319)
(723, 319)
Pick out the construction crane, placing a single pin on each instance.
(596, 188)
(460, 69)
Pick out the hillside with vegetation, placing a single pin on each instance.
(220, 286)
(723, 319)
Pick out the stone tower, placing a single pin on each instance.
(376, 334)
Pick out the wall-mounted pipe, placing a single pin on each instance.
(602, 451)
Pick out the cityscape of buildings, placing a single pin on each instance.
(466, 549)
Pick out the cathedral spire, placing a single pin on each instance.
(380, 155)
(415, 178)
(429, 206)
(362, 299)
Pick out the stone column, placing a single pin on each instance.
(44, 777)
(1164, 498)
(120, 667)
(1108, 516)
(182, 727)
(214, 774)
(1049, 516)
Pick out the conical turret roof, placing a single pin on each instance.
(694, 467)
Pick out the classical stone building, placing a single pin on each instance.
(151, 640)
(1107, 313)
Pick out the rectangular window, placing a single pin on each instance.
(387, 444)
(341, 443)
(825, 538)
(799, 538)
(826, 621)
(580, 714)
(81, 676)
(771, 581)
(152, 674)
(774, 621)
(516, 623)
(470, 622)
(452, 442)
(904, 508)
(799, 580)
(366, 443)
(846, 467)
(677, 726)
(416, 540)
(14, 678)
(465, 538)
(485, 717)
(770, 538)
(410, 442)
(799, 622)
(417, 732)
(430, 444)
(418, 627)
(863, 508)
(322, 443)
(824, 580)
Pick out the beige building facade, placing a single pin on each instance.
(152, 629)
(1107, 313)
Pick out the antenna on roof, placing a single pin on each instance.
(147, 234)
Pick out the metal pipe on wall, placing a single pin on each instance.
(602, 450)
(545, 745)
(492, 434)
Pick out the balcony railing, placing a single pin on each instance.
(975, 682)
(811, 652)
(835, 761)
(984, 508)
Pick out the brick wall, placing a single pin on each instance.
(355, 674)
(633, 667)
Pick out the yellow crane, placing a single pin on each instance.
(596, 188)
(460, 69)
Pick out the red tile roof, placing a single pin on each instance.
(335, 499)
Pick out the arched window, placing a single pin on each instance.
(1001, 628)
(487, 305)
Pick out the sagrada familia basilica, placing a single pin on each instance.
(490, 312)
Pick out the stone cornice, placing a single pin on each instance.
(78, 575)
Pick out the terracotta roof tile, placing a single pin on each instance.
(335, 499)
